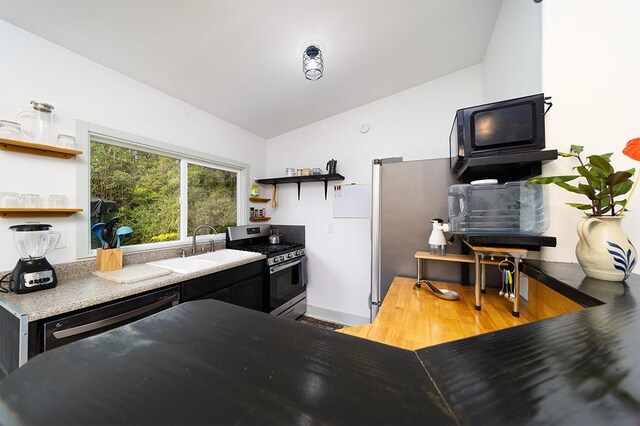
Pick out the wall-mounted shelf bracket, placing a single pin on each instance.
(302, 179)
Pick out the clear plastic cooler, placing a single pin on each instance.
(518, 208)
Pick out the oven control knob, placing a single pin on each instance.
(289, 255)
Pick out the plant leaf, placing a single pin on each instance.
(618, 177)
(607, 156)
(622, 188)
(553, 179)
(584, 171)
(576, 149)
(568, 187)
(587, 190)
(601, 163)
(580, 206)
(564, 154)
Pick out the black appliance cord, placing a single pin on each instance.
(5, 280)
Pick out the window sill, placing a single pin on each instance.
(153, 247)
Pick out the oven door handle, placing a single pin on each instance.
(285, 266)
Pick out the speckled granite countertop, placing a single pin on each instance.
(77, 292)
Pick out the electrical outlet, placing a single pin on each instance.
(330, 228)
(62, 242)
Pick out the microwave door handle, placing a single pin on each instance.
(96, 325)
(281, 267)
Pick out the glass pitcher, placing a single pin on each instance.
(34, 240)
(37, 125)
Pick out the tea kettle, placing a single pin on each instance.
(37, 125)
(274, 238)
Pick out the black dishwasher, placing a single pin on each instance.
(70, 328)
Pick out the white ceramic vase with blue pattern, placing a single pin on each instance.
(604, 250)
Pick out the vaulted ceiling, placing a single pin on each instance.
(241, 60)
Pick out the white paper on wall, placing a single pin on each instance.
(352, 200)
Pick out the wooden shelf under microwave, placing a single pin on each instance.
(16, 212)
(37, 149)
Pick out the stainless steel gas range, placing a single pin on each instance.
(287, 268)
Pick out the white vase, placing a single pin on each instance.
(604, 250)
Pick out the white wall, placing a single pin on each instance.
(33, 68)
(511, 64)
(414, 124)
(590, 66)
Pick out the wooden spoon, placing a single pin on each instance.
(274, 195)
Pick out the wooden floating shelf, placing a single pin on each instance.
(37, 149)
(259, 219)
(16, 212)
(259, 200)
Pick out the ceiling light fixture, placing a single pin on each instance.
(312, 63)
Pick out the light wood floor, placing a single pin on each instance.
(413, 318)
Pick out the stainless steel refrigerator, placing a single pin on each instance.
(406, 195)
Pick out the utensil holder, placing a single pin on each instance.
(108, 260)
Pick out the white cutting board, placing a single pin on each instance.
(133, 273)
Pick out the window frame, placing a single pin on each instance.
(86, 132)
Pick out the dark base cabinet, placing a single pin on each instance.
(21, 340)
(243, 286)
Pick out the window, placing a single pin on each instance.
(144, 186)
(212, 197)
(141, 188)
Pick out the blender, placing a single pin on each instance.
(33, 272)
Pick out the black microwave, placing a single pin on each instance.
(504, 127)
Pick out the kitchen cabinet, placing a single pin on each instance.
(248, 294)
(243, 286)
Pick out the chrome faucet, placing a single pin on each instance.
(195, 233)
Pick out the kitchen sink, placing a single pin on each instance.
(200, 262)
(226, 255)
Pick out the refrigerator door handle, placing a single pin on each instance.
(374, 296)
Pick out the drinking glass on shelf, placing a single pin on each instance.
(30, 201)
(66, 141)
(57, 201)
(9, 199)
(10, 130)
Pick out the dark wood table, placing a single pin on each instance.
(207, 362)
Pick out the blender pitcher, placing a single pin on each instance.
(37, 125)
(34, 241)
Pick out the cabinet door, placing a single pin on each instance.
(249, 294)
(222, 295)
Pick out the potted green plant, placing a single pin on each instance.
(604, 251)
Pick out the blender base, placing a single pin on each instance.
(32, 275)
